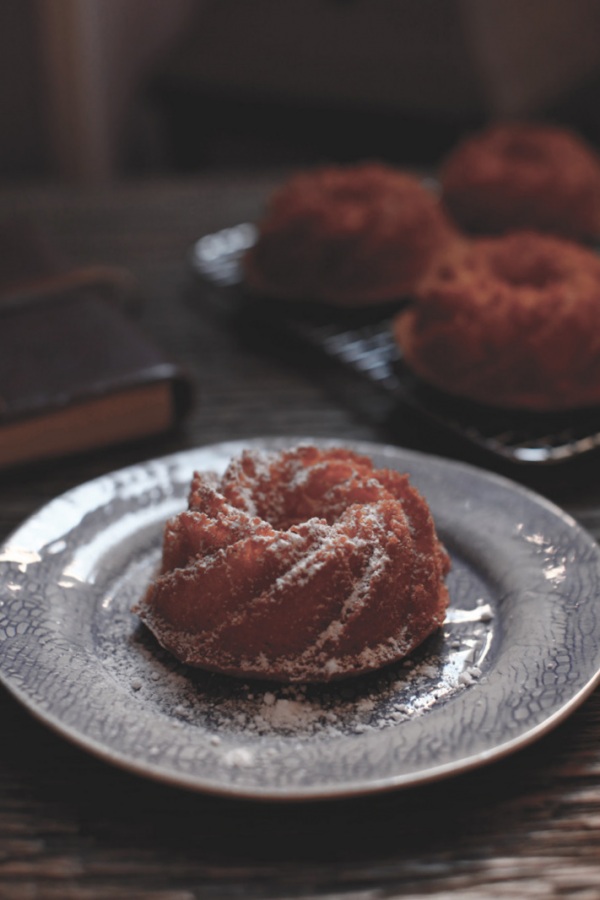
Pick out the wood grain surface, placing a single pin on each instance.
(71, 826)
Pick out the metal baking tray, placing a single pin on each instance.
(361, 340)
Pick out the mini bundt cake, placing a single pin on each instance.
(524, 176)
(347, 236)
(302, 565)
(512, 322)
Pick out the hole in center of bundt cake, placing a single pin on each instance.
(532, 271)
(292, 507)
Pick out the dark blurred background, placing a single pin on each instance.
(93, 90)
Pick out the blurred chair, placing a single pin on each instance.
(95, 55)
(71, 77)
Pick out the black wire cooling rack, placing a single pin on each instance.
(363, 342)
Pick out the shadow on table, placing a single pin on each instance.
(70, 793)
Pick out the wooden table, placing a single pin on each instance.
(72, 826)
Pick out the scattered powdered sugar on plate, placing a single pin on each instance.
(222, 708)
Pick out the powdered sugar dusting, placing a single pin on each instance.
(228, 710)
(278, 573)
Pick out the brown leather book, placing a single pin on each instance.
(76, 372)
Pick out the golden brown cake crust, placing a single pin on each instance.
(524, 176)
(302, 565)
(511, 322)
(349, 236)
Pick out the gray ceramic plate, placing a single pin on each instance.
(520, 649)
